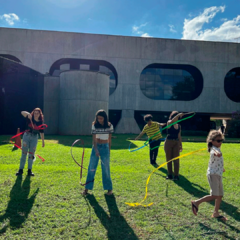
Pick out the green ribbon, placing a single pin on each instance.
(160, 131)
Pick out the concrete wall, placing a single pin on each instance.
(51, 104)
(82, 94)
(130, 55)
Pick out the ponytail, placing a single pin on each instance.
(209, 146)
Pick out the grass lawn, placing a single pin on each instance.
(50, 206)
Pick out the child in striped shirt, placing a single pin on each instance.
(152, 129)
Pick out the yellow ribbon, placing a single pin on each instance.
(140, 204)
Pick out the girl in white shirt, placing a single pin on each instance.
(102, 132)
(214, 174)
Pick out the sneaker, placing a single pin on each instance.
(169, 177)
(176, 178)
(30, 173)
(85, 192)
(20, 172)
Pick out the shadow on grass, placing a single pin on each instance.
(198, 192)
(118, 141)
(116, 225)
(19, 205)
(213, 233)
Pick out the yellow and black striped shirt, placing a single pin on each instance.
(151, 130)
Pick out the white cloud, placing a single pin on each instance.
(139, 30)
(172, 28)
(10, 18)
(145, 35)
(227, 31)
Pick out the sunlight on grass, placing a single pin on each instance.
(50, 205)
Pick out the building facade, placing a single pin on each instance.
(146, 74)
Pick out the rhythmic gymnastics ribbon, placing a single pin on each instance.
(160, 131)
(40, 127)
(140, 204)
(81, 166)
(145, 145)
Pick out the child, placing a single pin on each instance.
(102, 131)
(214, 174)
(152, 128)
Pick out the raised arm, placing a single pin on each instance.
(25, 114)
(180, 115)
(161, 124)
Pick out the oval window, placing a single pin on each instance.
(232, 84)
(171, 82)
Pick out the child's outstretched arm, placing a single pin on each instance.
(140, 135)
(217, 153)
(161, 124)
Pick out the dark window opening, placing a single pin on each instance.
(21, 88)
(171, 82)
(232, 84)
(114, 117)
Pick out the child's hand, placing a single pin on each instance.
(218, 154)
(180, 149)
(97, 154)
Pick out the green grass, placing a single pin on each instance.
(50, 206)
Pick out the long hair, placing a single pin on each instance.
(173, 114)
(101, 113)
(212, 136)
(41, 117)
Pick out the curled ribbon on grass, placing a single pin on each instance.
(140, 204)
(81, 166)
(40, 127)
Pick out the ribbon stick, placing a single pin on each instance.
(134, 150)
(148, 179)
(40, 127)
(81, 166)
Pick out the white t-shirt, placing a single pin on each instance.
(215, 165)
(102, 133)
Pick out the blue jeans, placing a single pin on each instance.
(29, 144)
(105, 164)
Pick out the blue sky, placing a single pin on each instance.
(187, 19)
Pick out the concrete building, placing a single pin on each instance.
(147, 75)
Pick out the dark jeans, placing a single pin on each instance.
(154, 152)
